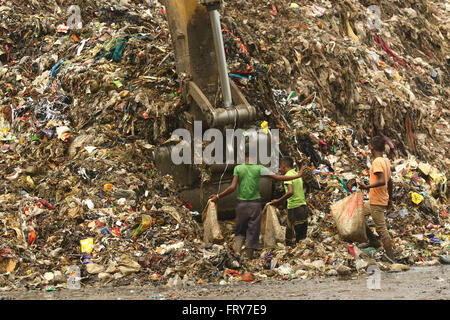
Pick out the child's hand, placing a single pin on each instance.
(363, 186)
(389, 207)
(300, 172)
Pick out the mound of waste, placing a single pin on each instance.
(83, 106)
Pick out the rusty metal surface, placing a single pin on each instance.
(193, 42)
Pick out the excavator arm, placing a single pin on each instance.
(201, 64)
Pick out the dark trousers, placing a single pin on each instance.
(297, 225)
(248, 222)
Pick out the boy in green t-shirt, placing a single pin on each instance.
(296, 204)
(249, 206)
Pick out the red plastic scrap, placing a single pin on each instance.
(241, 46)
(231, 272)
(389, 51)
(248, 277)
(187, 204)
(47, 205)
(98, 223)
(274, 11)
(32, 237)
(351, 250)
(116, 231)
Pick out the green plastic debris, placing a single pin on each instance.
(118, 84)
(35, 138)
(115, 52)
(370, 251)
(49, 288)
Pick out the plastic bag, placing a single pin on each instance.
(271, 230)
(143, 226)
(348, 214)
(212, 232)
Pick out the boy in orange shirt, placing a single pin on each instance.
(380, 196)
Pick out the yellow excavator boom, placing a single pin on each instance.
(193, 42)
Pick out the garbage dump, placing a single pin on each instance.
(87, 92)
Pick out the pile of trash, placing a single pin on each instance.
(82, 109)
(418, 225)
(83, 102)
(315, 60)
(320, 75)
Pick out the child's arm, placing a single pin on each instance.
(286, 196)
(286, 178)
(381, 181)
(227, 191)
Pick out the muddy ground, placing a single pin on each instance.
(419, 283)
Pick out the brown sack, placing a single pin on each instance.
(348, 214)
(211, 228)
(271, 229)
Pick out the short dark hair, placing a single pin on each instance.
(378, 143)
(287, 161)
